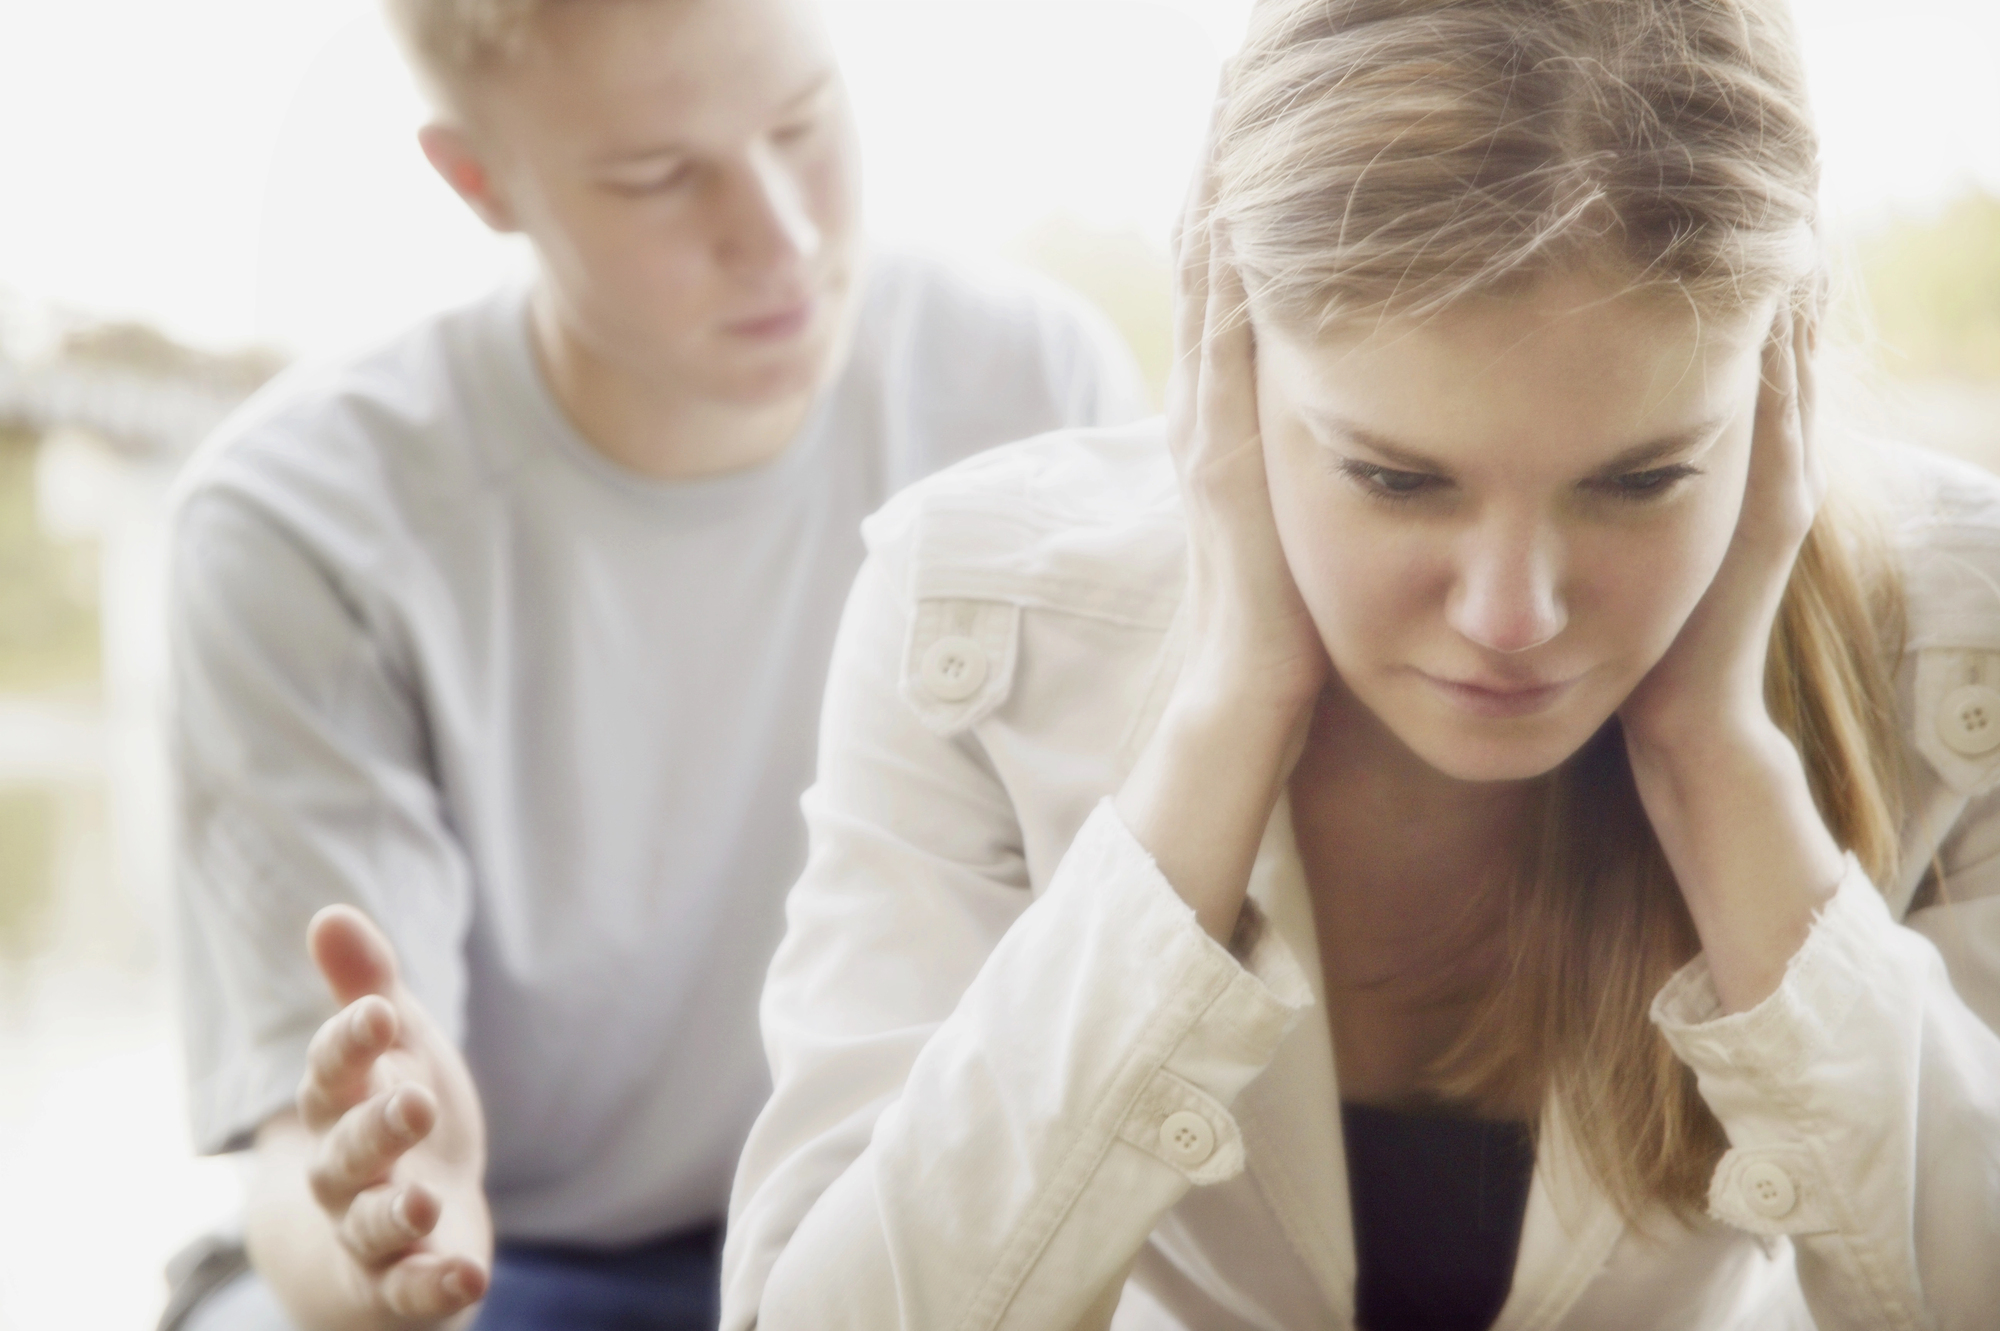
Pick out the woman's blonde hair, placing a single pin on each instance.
(1388, 158)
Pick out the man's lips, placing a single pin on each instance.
(1499, 698)
(773, 324)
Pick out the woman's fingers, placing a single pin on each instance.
(1192, 255)
(1226, 401)
(1805, 390)
(340, 1058)
(366, 1143)
(1191, 298)
(1785, 484)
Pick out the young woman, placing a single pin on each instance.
(1450, 830)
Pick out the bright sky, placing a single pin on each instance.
(238, 169)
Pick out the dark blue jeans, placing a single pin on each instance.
(668, 1284)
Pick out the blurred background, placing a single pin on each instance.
(197, 194)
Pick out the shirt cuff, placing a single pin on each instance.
(1797, 1022)
(1247, 997)
(1782, 1076)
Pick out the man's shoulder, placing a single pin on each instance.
(982, 325)
(1084, 521)
(952, 357)
(981, 297)
(344, 435)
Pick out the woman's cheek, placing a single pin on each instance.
(1651, 586)
(1362, 585)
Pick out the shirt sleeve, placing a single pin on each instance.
(1862, 1104)
(302, 778)
(984, 1100)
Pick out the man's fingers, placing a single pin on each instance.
(352, 954)
(426, 1284)
(342, 1053)
(366, 1143)
(387, 1221)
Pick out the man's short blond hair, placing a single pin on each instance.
(451, 41)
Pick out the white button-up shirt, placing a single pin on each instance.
(1017, 1086)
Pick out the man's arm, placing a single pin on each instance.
(366, 1207)
(301, 758)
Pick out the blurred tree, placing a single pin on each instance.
(48, 589)
(144, 349)
(1126, 275)
(27, 851)
(1934, 288)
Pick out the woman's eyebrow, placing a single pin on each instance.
(1408, 459)
(1636, 458)
(1641, 456)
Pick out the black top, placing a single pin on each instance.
(1438, 1200)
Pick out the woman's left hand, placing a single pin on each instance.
(1711, 681)
(1725, 789)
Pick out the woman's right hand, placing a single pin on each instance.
(1203, 789)
(1253, 644)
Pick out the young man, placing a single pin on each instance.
(509, 638)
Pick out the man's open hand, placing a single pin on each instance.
(396, 1135)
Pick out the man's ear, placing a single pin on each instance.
(451, 153)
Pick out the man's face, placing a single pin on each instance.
(687, 172)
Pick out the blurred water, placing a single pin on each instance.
(98, 1185)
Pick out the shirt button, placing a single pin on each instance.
(953, 668)
(1187, 1139)
(1969, 720)
(1769, 1190)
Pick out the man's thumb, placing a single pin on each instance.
(351, 953)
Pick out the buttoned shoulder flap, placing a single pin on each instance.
(1957, 716)
(958, 663)
(977, 561)
(1952, 593)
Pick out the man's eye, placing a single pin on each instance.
(665, 182)
(1386, 482)
(1648, 484)
(795, 132)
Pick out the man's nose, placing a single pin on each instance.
(1508, 596)
(770, 223)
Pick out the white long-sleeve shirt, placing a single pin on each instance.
(1018, 1086)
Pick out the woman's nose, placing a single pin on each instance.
(1507, 597)
(771, 223)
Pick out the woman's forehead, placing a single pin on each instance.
(1570, 369)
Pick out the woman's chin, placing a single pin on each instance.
(1498, 754)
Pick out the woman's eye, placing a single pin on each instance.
(1386, 482)
(1647, 484)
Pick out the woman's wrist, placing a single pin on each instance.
(1735, 817)
(1202, 791)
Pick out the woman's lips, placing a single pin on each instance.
(1498, 699)
(774, 325)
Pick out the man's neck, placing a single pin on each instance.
(662, 431)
